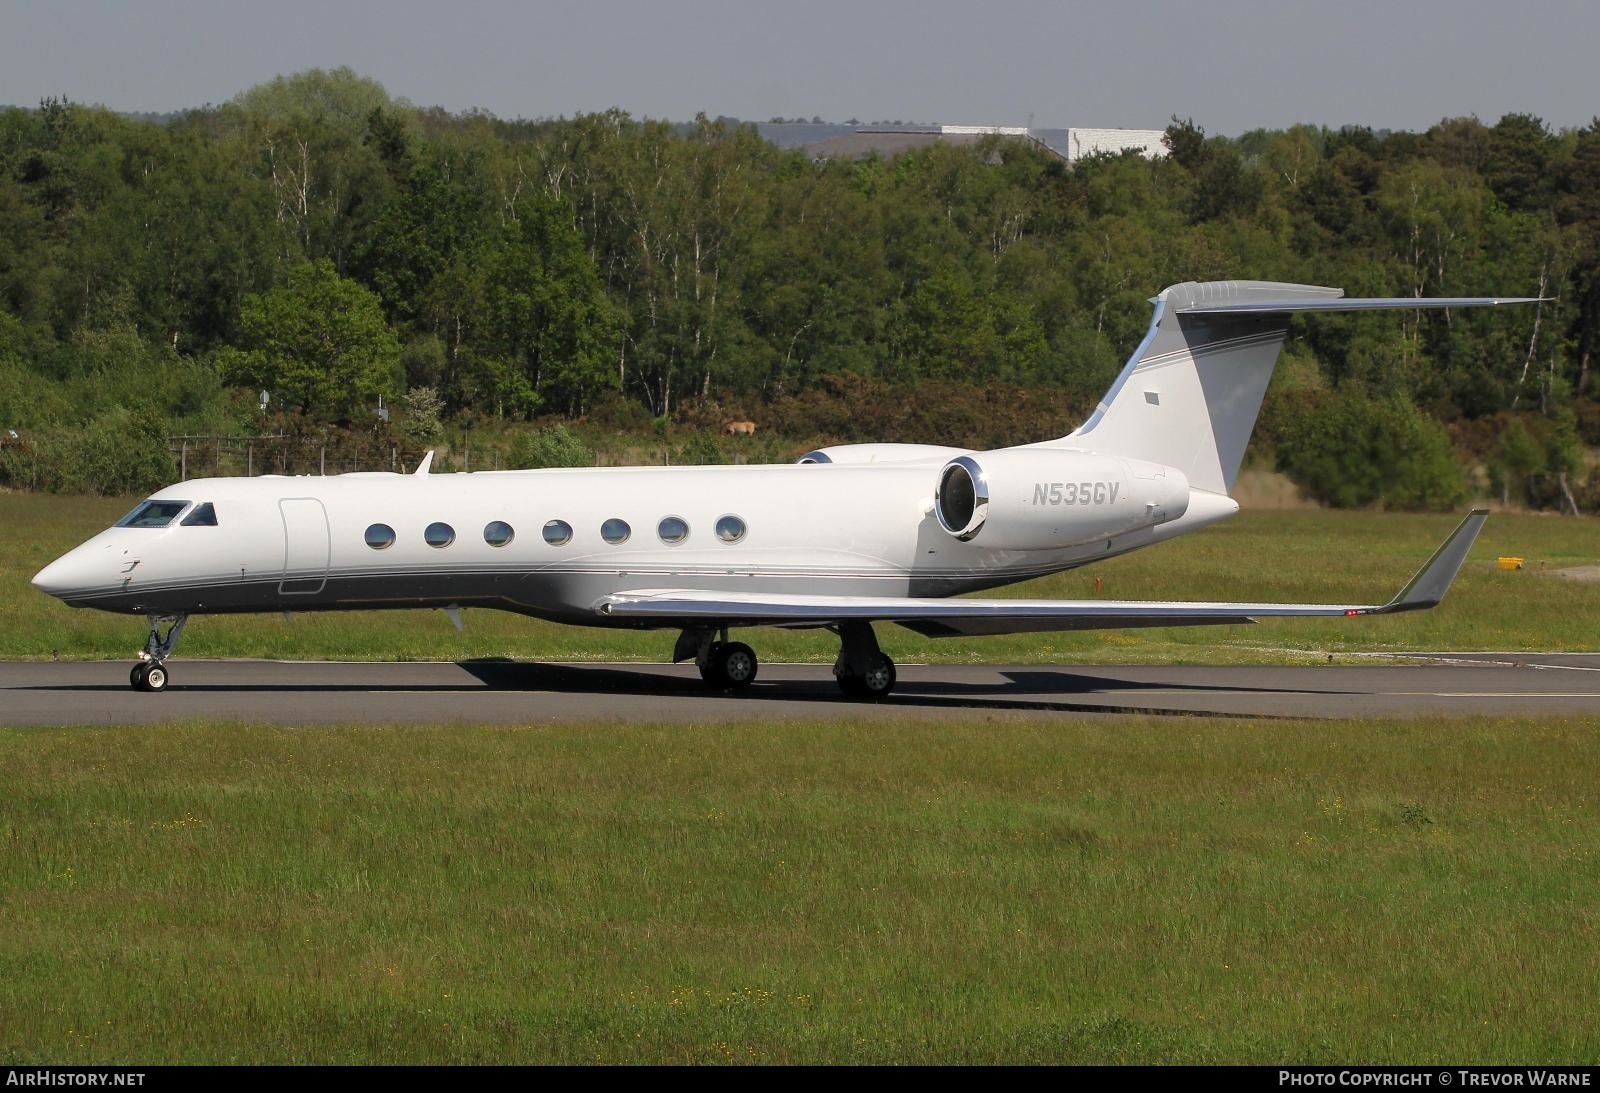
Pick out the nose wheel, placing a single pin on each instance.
(148, 677)
(150, 674)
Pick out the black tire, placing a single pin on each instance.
(879, 678)
(136, 676)
(734, 665)
(851, 686)
(156, 678)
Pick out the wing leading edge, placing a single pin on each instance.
(962, 617)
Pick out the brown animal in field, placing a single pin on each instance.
(739, 428)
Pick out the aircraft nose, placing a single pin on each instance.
(66, 574)
(52, 579)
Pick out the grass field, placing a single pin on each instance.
(1260, 555)
(981, 890)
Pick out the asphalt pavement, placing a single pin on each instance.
(505, 692)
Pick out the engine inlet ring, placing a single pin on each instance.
(961, 503)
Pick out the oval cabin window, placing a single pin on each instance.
(672, 530)
(439, 535)
(498, 533)
(380, 536)
(558, 533)
(730, 529)
(615, 531)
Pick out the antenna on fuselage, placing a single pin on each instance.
(427, 461)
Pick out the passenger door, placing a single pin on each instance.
(307, 546)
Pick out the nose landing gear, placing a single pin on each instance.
(150, 674)
(148, 677)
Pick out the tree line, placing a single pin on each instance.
(322, 241)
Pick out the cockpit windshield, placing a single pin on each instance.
(203, 516)
(152, 514)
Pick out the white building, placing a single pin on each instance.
(1073, 144)
(857, 141)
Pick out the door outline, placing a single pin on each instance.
(306, 527)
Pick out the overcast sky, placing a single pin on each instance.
(1232, 65)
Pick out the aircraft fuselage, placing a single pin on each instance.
(301, 543)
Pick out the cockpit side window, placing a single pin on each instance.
(153, 514)
(203, 516)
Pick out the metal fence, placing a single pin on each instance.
(232, 456)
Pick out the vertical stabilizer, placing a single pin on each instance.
(1189, 395)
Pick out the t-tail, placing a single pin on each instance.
(1189, 396)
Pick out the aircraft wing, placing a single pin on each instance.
(965, 616)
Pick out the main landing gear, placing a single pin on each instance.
(863, 670)
(150, 674)
(726, 665)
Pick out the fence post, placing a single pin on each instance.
(250, 460)
(183, 462)
(322, 460)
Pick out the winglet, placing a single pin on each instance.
(427, 461)
(1428, 587)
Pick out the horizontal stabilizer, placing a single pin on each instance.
(1342, 303)
(964, 616)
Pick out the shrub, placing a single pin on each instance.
(701, 449)
(120, 452)
(551, 446)
(421, 424)
(1346, 450)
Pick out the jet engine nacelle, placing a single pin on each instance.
(1042, 498)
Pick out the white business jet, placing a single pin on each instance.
(850, 536)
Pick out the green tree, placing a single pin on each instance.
(318, 342)
(544, 327)
(1516, 161)
(1186, 143)
(1564, 457)
(556, 264)
(1514, 459)
(309, 139)
(419, 232)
